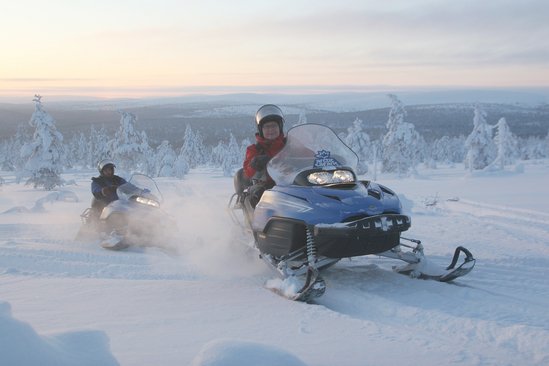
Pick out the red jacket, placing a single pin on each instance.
(270, 148)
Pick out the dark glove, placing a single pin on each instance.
(108, 190)
(260, 162)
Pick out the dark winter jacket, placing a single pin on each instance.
(98, 183)
(267, 147)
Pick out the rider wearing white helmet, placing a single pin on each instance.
(104, 187)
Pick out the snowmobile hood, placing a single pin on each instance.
(323, 204)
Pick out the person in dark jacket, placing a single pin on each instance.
(104, 187)
(270, 138)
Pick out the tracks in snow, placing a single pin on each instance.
(39, 250)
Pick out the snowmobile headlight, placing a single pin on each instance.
(343, 176)
(147, 201)
(320, 178)
(339, 176)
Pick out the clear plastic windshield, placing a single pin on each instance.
(310, 146)
(142, 186)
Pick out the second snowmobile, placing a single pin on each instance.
(319, 212)
(135, 219)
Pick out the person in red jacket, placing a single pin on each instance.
(270, 138)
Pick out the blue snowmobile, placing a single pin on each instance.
(319, 212)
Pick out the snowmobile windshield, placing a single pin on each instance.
(140, 186)
(308, 147)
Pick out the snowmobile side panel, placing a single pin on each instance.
(282, 236)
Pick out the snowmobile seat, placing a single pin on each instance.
(241, 183)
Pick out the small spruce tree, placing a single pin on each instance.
(507, 145)
(479, 143)
(402, 145)
(44, 153)
(359, 142)
(128, 147)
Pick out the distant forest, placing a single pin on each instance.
(168, 122)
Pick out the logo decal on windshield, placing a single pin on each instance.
(323, 159)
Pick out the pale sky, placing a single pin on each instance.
(120, 48)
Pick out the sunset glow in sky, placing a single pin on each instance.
(122, 48)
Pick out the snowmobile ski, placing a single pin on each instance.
(121, 245)
(453, 273)
(417, 267)
(115, 242)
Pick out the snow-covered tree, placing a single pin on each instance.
(533, 148)
(243, 147)
(302, 119)
(547, 145)
(192, 148)
(165, 159)
(232, 157)
(203, 151)
(218, 154)
(8, 155)
(181, 166)
(359, 142)
(227, 167)
(83, 150)
(402, 145)
(149, 163)
(128, 147)
(68, 157)
(22, 137)
(97, 146)
(76, 151)
(233, 152)
(448, 150)
(479, 142)
(44, 153)
(507, 145)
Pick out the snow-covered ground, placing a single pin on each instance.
(64, 302)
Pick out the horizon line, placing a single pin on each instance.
(143, 93)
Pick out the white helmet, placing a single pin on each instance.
(268, 113)
(105, 163)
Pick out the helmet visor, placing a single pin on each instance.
(268, 112)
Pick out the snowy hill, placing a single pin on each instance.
(205, 302)
(435, 113)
